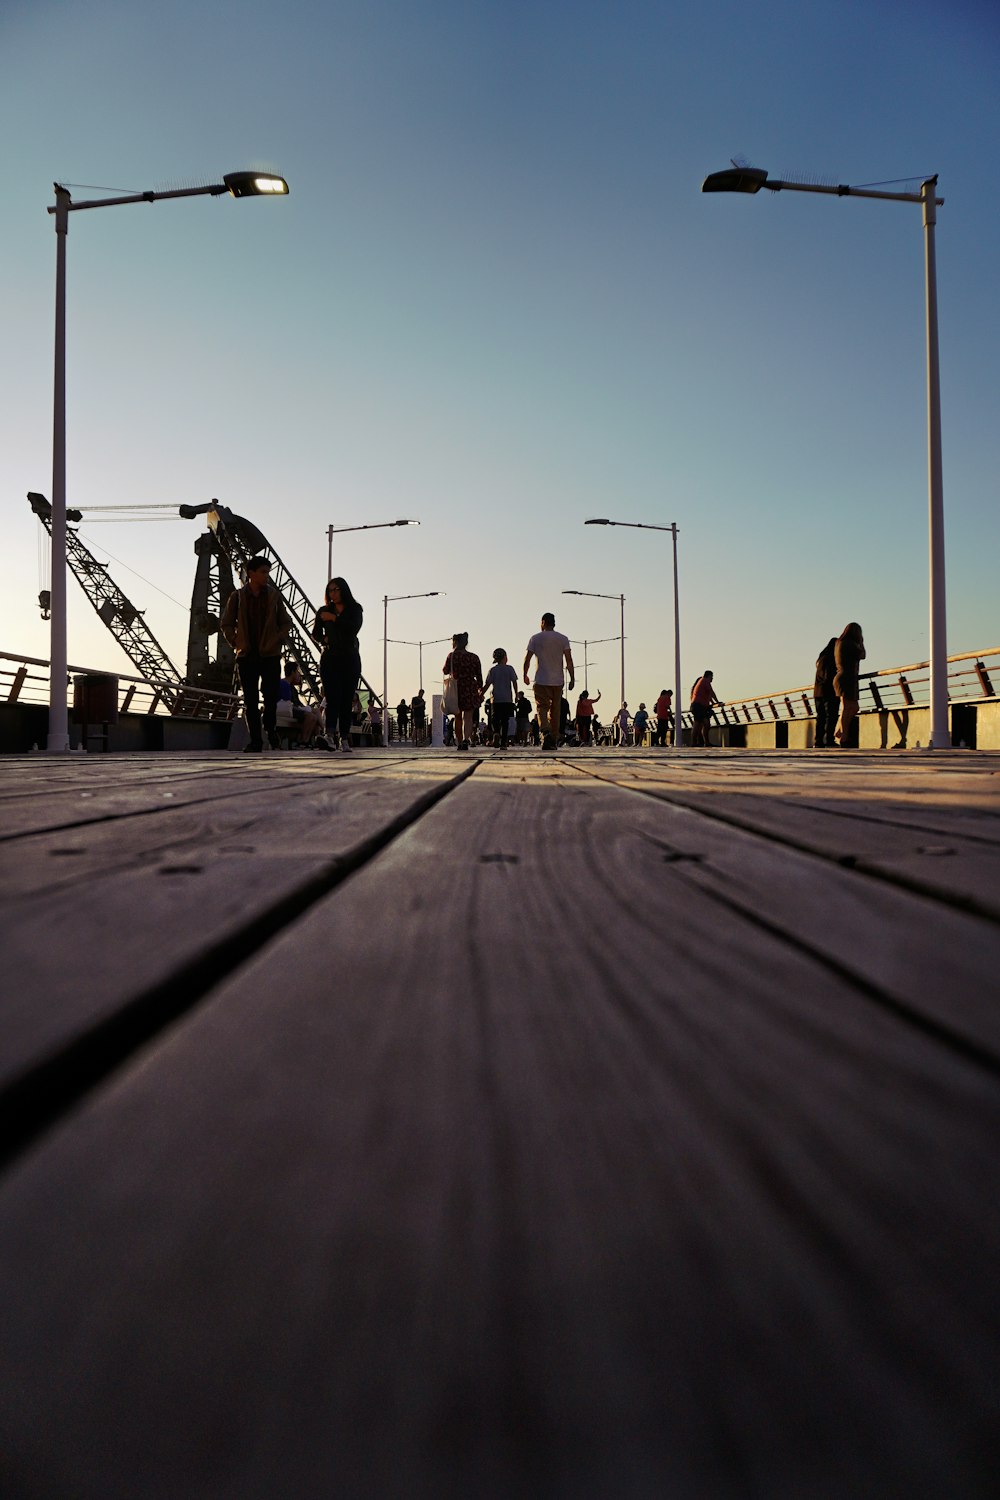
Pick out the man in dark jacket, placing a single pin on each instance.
(255, 622)
(826, 700)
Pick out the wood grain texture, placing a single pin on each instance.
(951, 854)
(98, 915)
(556, 1177)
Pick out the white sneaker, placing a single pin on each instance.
(345, 746)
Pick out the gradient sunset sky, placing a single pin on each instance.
(496, 300)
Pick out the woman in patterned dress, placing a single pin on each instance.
(467, 670)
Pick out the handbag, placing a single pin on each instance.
(449, 695)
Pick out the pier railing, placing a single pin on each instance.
(25, 679)
(973, 676)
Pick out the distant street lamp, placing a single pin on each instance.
(586, 644)
(437, 642)
(583, 594)
(678, 701)
(751, 180)
(386, 601)
(238, 185)
(332, 531)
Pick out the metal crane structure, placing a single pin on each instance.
(229, 545)
(223, 552)
(128, 626)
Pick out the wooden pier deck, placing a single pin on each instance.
(590, 1126)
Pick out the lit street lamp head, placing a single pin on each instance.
(254, 184)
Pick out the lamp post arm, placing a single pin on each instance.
(843, 191)
(215, 191)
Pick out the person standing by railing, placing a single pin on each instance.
(849, 652)
(703, 695)
(664, 716)
(825, 696)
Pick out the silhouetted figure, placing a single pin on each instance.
(849, 652)
(466, 668)
(255, 622)
(337, 625)
(585, 716)
(825, 696)
(703, 695)
(664, 716)
(550, 649)
(502, 679)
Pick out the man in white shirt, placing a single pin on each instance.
(550, 649)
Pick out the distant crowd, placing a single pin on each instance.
(491, 710)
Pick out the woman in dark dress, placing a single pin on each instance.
(467, 670)
(849, 653)
(825, 696)
(337, 625)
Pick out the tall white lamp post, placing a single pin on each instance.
(586, 644)
(386, 601)
(583, 594)
(751, 180)
(238, 185)
(421, 644)
(678, 700)
(332, 531)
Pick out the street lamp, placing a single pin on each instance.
(583, 594)
(375, 526)
(386, 601)
(438, 641)
(238, 185)
(585, 644)
(751, 180)
(678, 701)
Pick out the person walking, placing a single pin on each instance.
(703, 695)
(825, 696)
(849, 653)
(639, 725)
(466, 668)
(663, 708)
(550, 649)
(621, 721)
(585, 716)
(255, 622)
(402, 716)
(336, 627)
(502, 679)
(522, 716)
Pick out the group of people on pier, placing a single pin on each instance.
(256, 623)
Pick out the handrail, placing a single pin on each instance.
(166, 696)
(971, 684)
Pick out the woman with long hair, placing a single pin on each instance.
(336, 627)
(849, 652)
(467, 670)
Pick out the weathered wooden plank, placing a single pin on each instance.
(559, 1184)
(94, 791)
(951, 859)
(98, 918)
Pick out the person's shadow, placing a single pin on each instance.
(901, 719)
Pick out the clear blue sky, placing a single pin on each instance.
(497, 301)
